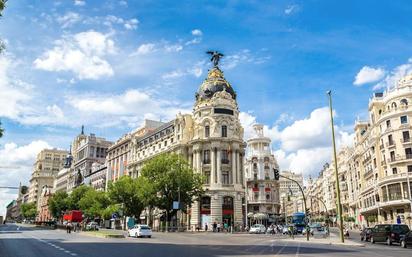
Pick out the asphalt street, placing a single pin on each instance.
(17, 241)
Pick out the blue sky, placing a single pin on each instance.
(110, 64)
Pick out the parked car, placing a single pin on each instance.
(257, 229)
(365, 234)
(92, 226)
(140, 230)
(406, 239)
(389, 233)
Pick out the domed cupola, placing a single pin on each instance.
(215, 82)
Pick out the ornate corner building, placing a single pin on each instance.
(262, 190)
(211, 139)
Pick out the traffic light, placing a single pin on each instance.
(276, 173)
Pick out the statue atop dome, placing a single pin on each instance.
(215, 57)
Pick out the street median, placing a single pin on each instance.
(105, 234)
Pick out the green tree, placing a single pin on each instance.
(172, 178)
(1, 129)
(76, 196)
(93, 203)
(109, 210)
(125, 192)
(58, 204)
(2, 45)
(28, 210)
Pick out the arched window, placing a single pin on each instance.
(224, 131)
(393, 105)
(404, 102)
(227, 203)
(380, 112)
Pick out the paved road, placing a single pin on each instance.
(18, 241)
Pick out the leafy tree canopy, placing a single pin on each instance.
(93, 203)
(172, 178)
(28, 210)
(58, 203)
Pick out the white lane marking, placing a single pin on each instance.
(18, 228)
(55, 246)
(297, 250)
(281, 249)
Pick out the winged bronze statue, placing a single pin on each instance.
(215, 57)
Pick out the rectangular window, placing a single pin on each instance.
(409, 168)
(206, 157)
(406, 137)
(225, 157)
(207, 177)
(207, 131)
(224, 131)
(404, 119)
(408, 153)
(388, 123)
(392, 156)
(225, 177)
(394, 171)
(390, 140)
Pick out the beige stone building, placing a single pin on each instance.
(211, 139)
(375, 174)
(47, 165)
(119, 154)
(86, 150)
(262, 190)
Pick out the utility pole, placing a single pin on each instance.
(339, 205)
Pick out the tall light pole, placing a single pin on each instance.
(339, 205)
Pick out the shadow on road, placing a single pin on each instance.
(126, 249)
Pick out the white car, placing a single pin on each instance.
(92, 226)
(257, 229)
(140, 230)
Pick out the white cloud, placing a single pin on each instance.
(145, 49)
(14, 94)
(243, 56)
(291, 9)
(82, 53)
(131, 24)
(305, 145)
(16, 164)
(196, 70)
(68, 19)
(395, 75)
(368, 75)
(173, 48)
(123, 3)
(128, 108)
(197, 32)
(79, 2)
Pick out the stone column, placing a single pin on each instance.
(239, 170)
(237, 210)
(194, 159)
(195, 217)
(213, 167)
(218, 168)
(199, 161)
(234, 180)
(216, 208)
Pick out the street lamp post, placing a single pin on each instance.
(339, 205)
(304, 203)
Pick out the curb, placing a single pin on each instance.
(326, 242)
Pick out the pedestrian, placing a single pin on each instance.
(214, 226)
(218, 227)
(206, 227)
(226, 227)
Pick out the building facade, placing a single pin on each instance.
(86, 149)
(44, 213)
(211, 139)
(375, 173)
(262, 190)
(48, 163)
